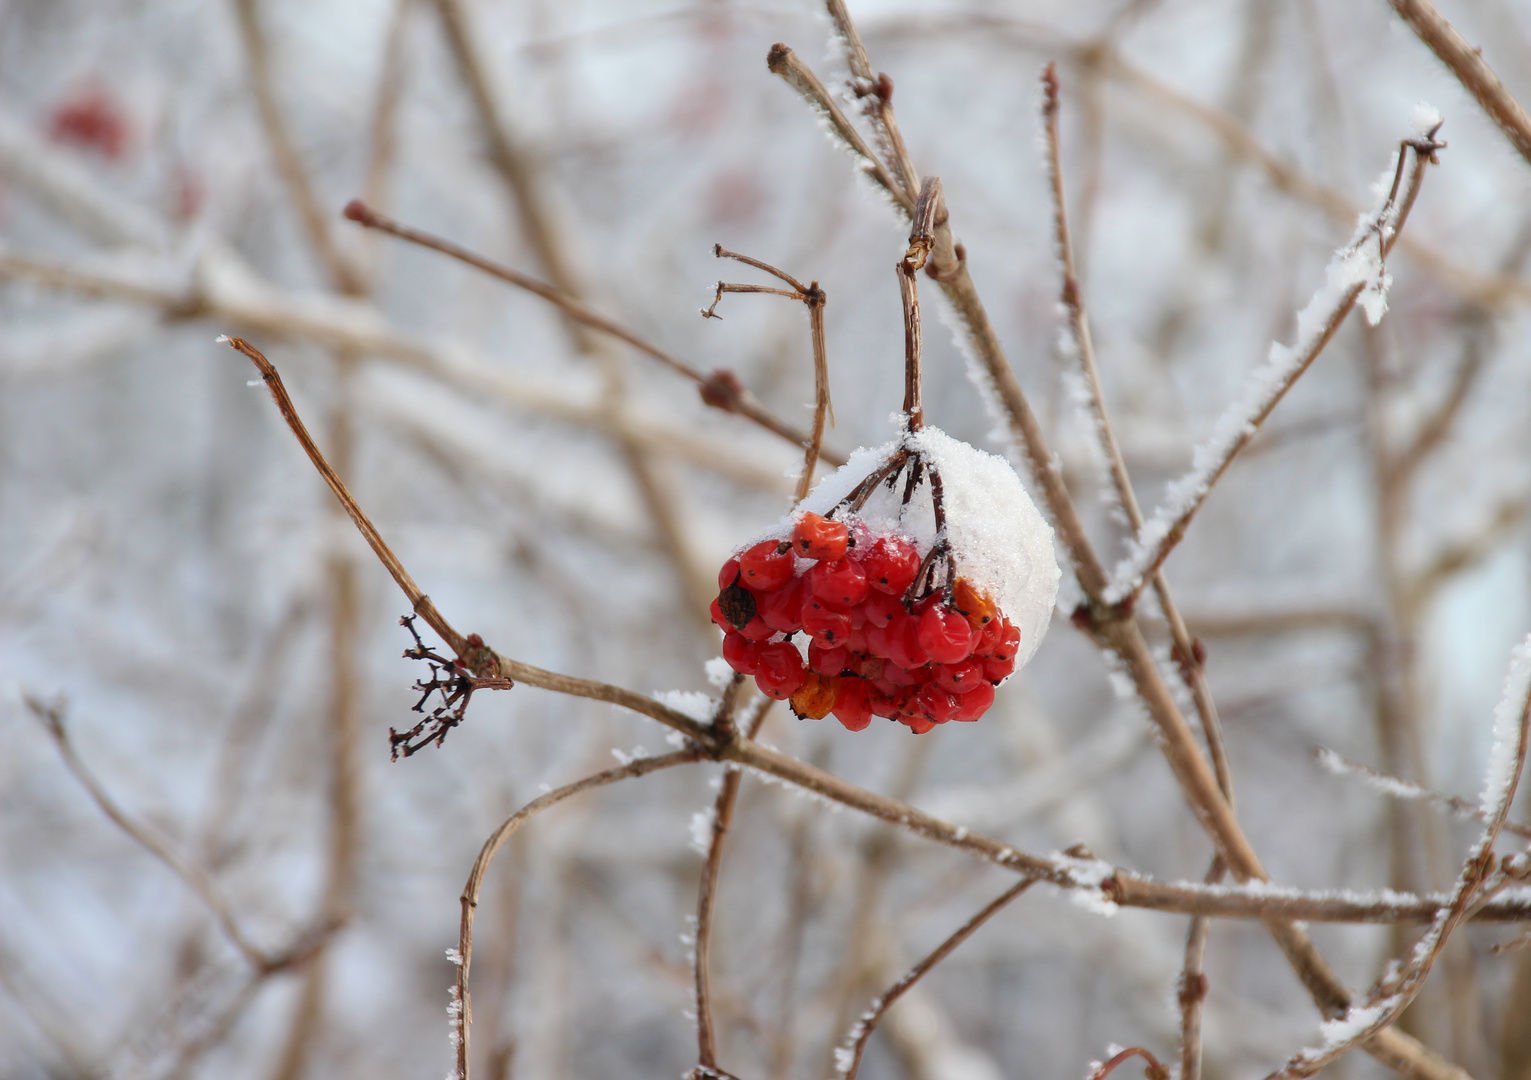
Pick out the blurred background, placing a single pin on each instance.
(193, 638)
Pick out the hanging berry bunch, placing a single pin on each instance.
(908, 584)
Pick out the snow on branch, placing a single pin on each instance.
(1357, 272)
(1481, 877)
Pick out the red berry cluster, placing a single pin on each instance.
(877, 647)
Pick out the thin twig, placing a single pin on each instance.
(51, 716)
(1479, 876)
(1393, 787)
(707, 890)
(289, 166)
(856, 1042)
(418, 601)
(814, 299)
(461, 1002)
(1471, 70)
(720, 389)
(1170, 521)
(921, 239)
(876, 94)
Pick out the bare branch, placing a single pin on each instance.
(289, 166)
(856, 1042)
(718, 389)
(51, 716)
(814, 299)
(1395, 788)
(1270, 383)
(1471, 70)
(461, 1002)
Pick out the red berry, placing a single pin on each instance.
(841, 582)
(717, 617)
(975, 702)
(962, 676)
(827, 626)
(856, 642)
(916, 723)
(742, 655)
(756, 629)
(816, 697)
(891, 565)
(945, 635)
(1009, 643)
(729, 574)
(853, 708)
(779, 671)
(904, 647)
(998, 670)
(827, 661)
(763, 569)
(881, 607)
(938, 704)
(815, 537)
(881, 702)
(877, 640)
(899, 676)
(782, 609)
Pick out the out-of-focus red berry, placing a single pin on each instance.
(763, 569)
(815, 537)
(827, 626)
(827, 661)
(945, 635)
(853, 706)
(891, 564)
(816, 697)
(782, 609)
(975, 702)
(779, 669)
(92, 119)
(960, 677)
(841, 582)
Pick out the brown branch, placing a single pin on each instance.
(1397, 989)
(51, 716)
(1169, 523)
(784, 62)
(1468, 65)
(720, 389)
(418, 601)
(921, 237)
(289, 166)
(462, 1011)
(1395, 788)
(856, 1041)
(1189, 653)
(814, 299)
(707, 890)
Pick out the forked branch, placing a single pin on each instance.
(813, 298)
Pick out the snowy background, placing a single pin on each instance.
(176, 584)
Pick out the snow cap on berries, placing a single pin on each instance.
(1001, 542)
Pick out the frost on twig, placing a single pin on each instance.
(1481, 877)
(1356, 273)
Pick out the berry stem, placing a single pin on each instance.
(921, 238)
